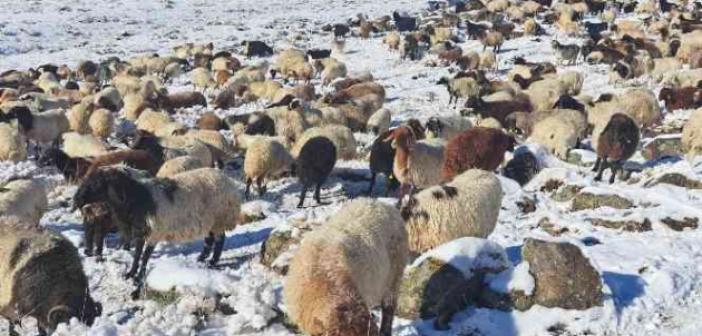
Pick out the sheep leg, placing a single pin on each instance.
(207, 248)
(302, 197)
(602, 167)
(248, 187)
(597, 164)
(260, 186)
(99, 237)
(218, 247)
(88, 236)
(615, 167)
(372, 184)
(388, 310)
(139, 248)
(41, 331)
(317, 191)
(139, 280)
(11, 329)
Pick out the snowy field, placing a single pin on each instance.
(652, 280)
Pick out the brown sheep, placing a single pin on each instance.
(475, 148)
(178, 100)
(98, 221)
(616, 144)
(499, 109)
(681, 98)
(135, 158)
(210, 121)
(356, 91)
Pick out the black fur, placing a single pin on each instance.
(451, 192)
(116, 187)
(340, 30)
(148, 142)
(314, 164)
(318, 53)
(523, 166)
(71, 85)
(568, 102)
(404, 23)
(69, 167)
(434, 125)
(263, 126)
(257, 48)
(24, 117)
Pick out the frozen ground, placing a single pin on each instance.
(653, 279)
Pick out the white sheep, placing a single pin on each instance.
(83, 145)
(158, 123)
(446, 127)
(267, 89)
(101, 123)
(559, 132)
(466, 207)
(43, 128)
(289, 123)
(190, 146)
(201, 78)
(179, 165)
(333, 69)
(346, 267)
(265, 159)
(25, 200)
(663, 67)
(340, 135)
(683, 78)
(463, 87)
(488, 61)
(109, 98)
(79, 117)
(13, 144)
(691, 135)
(379, 122)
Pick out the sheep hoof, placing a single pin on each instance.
(136, 294)
(88, 253)
(100, 259)
(128, 275)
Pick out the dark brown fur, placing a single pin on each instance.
(210, 121)
(617, 143)
(681, 98)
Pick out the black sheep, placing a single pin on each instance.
(404, 22)
(568, 102)
(257, 48)
(71, 168)
(523, 166)
(616, 143)
(340, 30)
(595, 30)
(316, 54)
(264, 125)
(314, 164)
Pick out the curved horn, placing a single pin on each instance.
(58, 314)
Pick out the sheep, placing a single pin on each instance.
(475, 148)
(178, 165)
(43, 128)
(415, 163)
(664, 66)
(134, 158)
(640, 104)
(42, 278)
(333, 69)
(72, 169)
(566, 52)
(348, 266)
(467, 206)
(12, 143)
(488, 61)
(560, 132)
(382, 156)
(522, 167)
(392, 39)
(169, 147)
(491, 39)
(341, 136)
(683, 78)
(681, 98)
(264, 90)
(499, 109)
(179, 100)
(219, 145)
(379, 122)
(265, 158)
(463, 87)
(256, 49)
(196, 203)
(101, 123)
(210, 121)
(126, 84)
(25, 200)
(289, 121)
(98, 221)
(446, 127)
(201, 79)
(158, 123)
(313, 165)
(617, 143)
(83, 145)
(691, 140)
(530, 27)
(109, 98)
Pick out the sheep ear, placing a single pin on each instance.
(58, 314)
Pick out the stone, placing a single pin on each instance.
(566, 193)
(576, 157)
(660, 147)
(563, 276)
(675, 179)
(551, 185)
(505, 301)
(586, 200)
(278, 243)
(681, 224)
(550, 228)
(626, 225)
(527, 205)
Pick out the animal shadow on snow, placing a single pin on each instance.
(625, 288)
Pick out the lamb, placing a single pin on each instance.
(98, 221)
(681, 98)
(379, 122)
(392, 39)
(522, 167)
(256, 49)
(463, 87)
(348, 266)
(265, 158)
(566, 52)
(446, 127)
(475, 148)
(488, 61)
(13, 144)
(341, 136)
(196, 203)
(42, 278)
(314, 163)
(179, 165)
(415, 163)
(468, 206)
(263, 90)
(560, 132)
(201, 78)
(25, 200)
(101, 123)
(617, 143)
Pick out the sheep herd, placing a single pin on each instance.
(112, 128)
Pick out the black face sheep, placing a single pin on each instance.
(98, 221)
(566, 52)
(340, 30)
(43, 128)
(261, 125)
(72, 169)
(523, 166)
(316, 54)
(382, 156)
(314, 163)
(345, 268)
(257, 49)
(617, 143)
(198, 203)
(42, 278)
(475, 148)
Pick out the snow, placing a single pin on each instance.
(467, 254)
(653, 280)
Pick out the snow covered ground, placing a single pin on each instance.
(653, 279)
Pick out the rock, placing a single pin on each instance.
(448, 278)
(276, 245)
(581, 158)
(566, 193)
(663, 146)
(680, 225)
(626, 225)
(563, 276)
(527, 205)
(551, 185)
(550, 228)
(505, 301)
(586, 200)
(675, 179)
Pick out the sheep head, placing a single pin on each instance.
(118, 189)
(402, 138)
